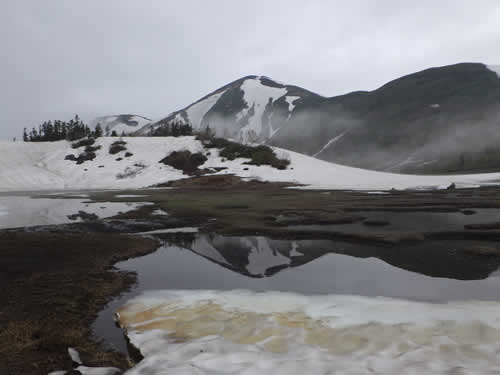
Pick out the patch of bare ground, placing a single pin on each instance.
(225, 181)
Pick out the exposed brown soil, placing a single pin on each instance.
(53, 286)
(226, 181)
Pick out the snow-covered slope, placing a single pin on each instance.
(41, 166)
(121, 123)
(249, 109)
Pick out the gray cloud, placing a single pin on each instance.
(152, 57)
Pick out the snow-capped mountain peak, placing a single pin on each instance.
(250, 109)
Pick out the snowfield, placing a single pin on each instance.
(41, 166)
(243, 332)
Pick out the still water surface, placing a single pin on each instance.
(260, 264)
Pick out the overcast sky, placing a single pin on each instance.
(152, 57)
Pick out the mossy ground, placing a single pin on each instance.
(53, 286)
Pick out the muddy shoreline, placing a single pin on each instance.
(57, 278)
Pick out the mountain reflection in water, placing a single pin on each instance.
(434, 271)
(256, 256)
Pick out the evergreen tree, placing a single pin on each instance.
(98, 130)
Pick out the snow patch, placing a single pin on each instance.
(494, 68)
(272, 131)
(98, 370)
(75, 356)
(198, 110)
(290, 100)
(179, 118)
(329, 143)
(262, 256)
(160, 212)
(172, 230)
(243, 332)
(295, 252)
(114, 123)
(130, 196)
(256, 96)
(84, 370)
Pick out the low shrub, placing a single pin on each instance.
(83, 142)
(117, 147)
(258, 155)
(85, 156)
(91, 148)
(185, 161)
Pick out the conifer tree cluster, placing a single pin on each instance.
(172, 129)
(59, 130)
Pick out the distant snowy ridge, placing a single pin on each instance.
(41, 166)
(121, 123)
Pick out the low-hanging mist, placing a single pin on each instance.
(440, 120)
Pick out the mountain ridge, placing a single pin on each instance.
(439, 120)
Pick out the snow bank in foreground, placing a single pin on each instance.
(41, 166)
(242, 332)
